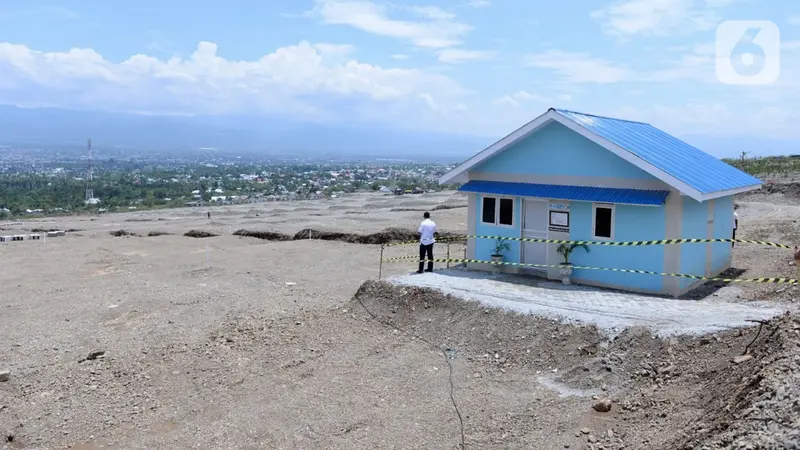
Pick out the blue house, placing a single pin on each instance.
(573, 176)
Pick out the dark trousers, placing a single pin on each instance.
(734, 238)
(425, 250)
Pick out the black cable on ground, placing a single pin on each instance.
(388, 324)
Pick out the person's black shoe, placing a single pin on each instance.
(428, 270)
(419, 271)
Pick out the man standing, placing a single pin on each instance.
(427, 230)
(735, 223)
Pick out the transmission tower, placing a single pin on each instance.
(89, 190)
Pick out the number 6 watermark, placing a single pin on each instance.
(748, 52)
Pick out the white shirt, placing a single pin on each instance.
(735, 219)
(426, 230)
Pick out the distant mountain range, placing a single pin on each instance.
(227, 134)
(236, 134)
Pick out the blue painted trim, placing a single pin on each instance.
(573, 193)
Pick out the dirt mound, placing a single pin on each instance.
(339, 207)
(676, 393)
(266, 235)
(254, 213)
(786, 189)
(612, 364)
(435, 208)
(499, 338)
(386, 236)
(751, 402)
(448, 206)
(381, 237)
(158, 233)
(199, 234)
(123, 233)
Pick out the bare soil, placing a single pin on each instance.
(152, 339)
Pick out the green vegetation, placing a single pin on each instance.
(773, 166)
(62, 190)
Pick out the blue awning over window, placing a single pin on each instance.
(574, 193)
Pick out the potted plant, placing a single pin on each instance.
(565, 268)
(500, 245)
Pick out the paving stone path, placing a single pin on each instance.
(610, 311)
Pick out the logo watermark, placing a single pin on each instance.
(748, 52)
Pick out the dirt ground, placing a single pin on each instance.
(153, 339)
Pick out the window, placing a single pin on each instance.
(506, 212)
(498, 211)
(603, 221)
(489, 210)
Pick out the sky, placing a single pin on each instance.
(475, 67)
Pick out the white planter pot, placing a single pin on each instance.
(565, 271)
(497, 259)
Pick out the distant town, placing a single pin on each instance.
(36, 186)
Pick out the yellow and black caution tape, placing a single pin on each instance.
(461, 240)
(643, 272)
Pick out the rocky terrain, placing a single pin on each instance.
(164, 329)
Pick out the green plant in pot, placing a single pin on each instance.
(501, 246)
(565, 267)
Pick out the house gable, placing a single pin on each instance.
(555, 151)
(676, 164)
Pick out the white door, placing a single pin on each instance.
(534, 225)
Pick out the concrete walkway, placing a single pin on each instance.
(610, 311)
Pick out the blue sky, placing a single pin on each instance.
(464, 66)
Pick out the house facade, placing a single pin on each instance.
(574, 176)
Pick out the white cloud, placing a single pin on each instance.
(457, 55)
(480, 3)
(579, 67)
(695, 63)
(439, 31)
(659, 17)
(505, 100)
(432, 12)
(518, 98)
(716, 119)
(334, 49)
(205, 82)
(526, 96)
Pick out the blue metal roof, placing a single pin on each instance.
(576, 193)
(688, 164)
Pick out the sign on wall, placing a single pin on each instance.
(559, 206)
(559, 221)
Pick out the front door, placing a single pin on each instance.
(534, 225)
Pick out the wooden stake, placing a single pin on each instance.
(380, 264)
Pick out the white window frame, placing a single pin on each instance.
(497, 199)
(613, 209)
